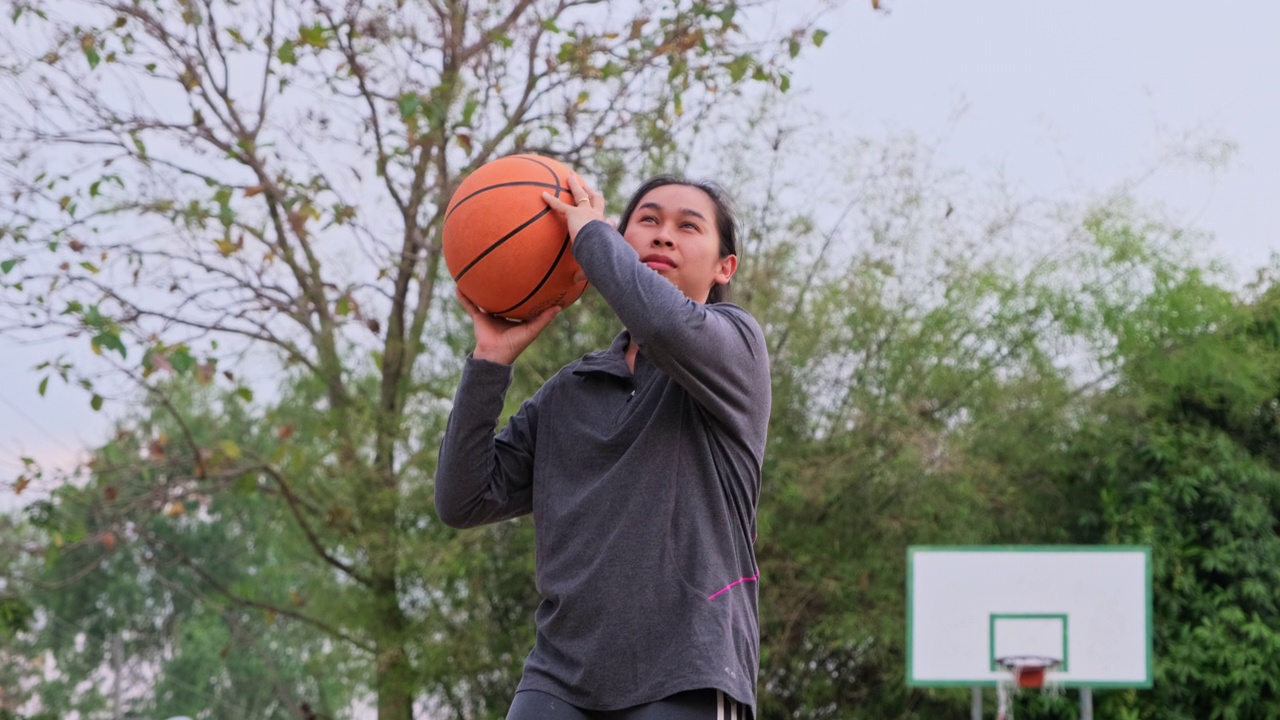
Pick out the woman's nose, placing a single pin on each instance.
(661, 240)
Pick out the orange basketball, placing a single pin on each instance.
(508, 251)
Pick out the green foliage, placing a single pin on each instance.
(930, 389)
(152, 554)
(272, 187)
(917, 396)
(260, 544)
(15, 615)
(1181, 455)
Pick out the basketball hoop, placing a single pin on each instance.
(1028, 671)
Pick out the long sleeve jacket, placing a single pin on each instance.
(643, 488)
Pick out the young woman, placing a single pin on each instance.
(641, 466)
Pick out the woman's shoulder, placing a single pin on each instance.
(742, 319)
(734, 309)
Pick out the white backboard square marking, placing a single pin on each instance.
(1041, 635)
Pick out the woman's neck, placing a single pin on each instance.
(632, 349)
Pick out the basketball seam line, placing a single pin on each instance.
(555, 264)
(499, 243)
(557, 187)
(515, 183)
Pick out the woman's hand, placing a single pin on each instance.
(499, 340)
(588, 205)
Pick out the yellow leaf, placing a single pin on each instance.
(230, 449)
(21, 484)
(175, 509)
(57, 540)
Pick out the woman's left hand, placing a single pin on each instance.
(588, 205)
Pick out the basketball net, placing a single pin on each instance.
(1025, 671)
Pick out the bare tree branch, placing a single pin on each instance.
(182, 558)
(312, 539)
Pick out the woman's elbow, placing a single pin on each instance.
(454, 514)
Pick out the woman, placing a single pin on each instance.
(641, 466)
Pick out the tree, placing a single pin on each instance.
(1182, 454)
(935, 356)
(247, 199)
(17, 614)
(212, 190)
(119, 595)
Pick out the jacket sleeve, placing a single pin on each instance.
(482, 478)
(716, 352)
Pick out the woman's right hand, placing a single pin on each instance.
(588, 205)
(499, 340)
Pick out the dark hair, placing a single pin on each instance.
(726, 219)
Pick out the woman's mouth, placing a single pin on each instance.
(658, 262)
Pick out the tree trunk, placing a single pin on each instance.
(393, 676)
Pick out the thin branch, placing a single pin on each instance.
(312, 539)
(186, 561)
(489, 37)
(811, 276)
(347, 45)
(75, 577)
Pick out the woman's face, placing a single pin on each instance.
(673, 230)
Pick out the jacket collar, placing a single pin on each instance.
(610, 362)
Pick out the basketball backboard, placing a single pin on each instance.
(1087, 606)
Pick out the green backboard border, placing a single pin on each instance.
(1144, 549)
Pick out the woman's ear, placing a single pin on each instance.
(728, 266)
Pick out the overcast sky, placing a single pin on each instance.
(1072, 96)
(1063, 97)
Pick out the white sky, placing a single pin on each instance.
(1073, 96)
(1062, 97)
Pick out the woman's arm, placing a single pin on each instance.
(481, 478)
(716, 352)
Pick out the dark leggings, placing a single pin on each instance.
(692, 705)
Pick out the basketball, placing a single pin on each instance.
(508, 251)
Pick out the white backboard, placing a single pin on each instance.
(1087, 606)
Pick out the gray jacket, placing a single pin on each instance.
(643, 489)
